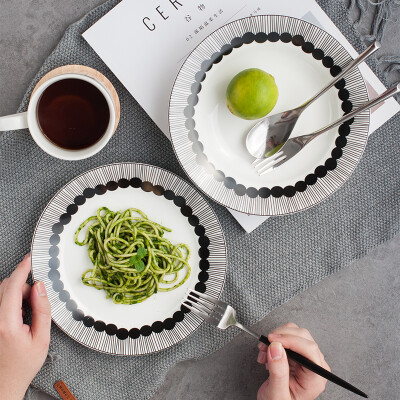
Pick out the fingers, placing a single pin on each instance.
(305, 347)
(289, 328)
(277, 387)
(262, 354)
(2, 287)
(20, 274)
(294, 330)
(13, 291)
(296, 339)
(41, 314)
(26, 291)
(299, 340)
(310, 382)
(289, 325)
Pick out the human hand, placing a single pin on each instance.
(23, 348)
(287, 379)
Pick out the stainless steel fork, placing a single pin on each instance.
(294, 145)
(223, 316)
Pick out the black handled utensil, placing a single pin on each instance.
(222, 315)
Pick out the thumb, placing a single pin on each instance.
(41, 313)
(278, 366)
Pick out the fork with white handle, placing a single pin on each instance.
(222, 315)
(294, 145)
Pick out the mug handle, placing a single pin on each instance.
(14, 122)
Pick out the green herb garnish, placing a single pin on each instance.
(136, 260)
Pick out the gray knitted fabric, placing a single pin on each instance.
(283, 257)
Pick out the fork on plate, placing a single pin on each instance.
(223, 316)
(293, 145)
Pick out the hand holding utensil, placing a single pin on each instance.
(222, 315)
(293, 146)
(274, 130)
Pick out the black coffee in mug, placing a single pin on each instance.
(73, 114)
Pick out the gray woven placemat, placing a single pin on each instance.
(266, 268)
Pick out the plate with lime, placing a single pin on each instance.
(251, 68)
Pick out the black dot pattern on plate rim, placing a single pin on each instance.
(54, 262)
(308, 48)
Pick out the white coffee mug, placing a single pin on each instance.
(29, 120)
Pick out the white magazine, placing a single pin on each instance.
(145, 44)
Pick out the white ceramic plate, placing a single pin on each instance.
(85, 313)
(209, 141)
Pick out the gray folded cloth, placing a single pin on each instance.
(281, 258)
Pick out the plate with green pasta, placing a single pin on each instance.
(118, 247)
(131, 256)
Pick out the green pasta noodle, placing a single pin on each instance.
(131, 256)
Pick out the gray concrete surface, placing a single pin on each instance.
(353, 315)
